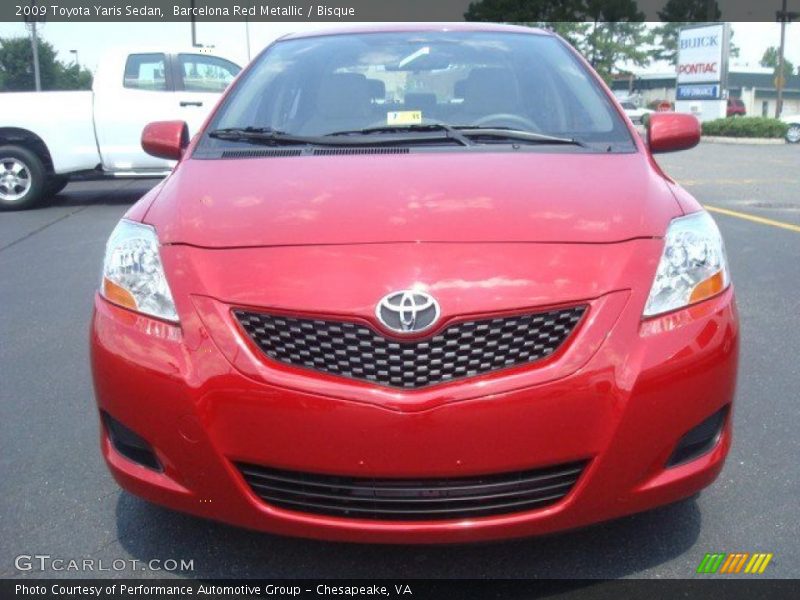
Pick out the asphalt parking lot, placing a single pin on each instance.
(57, 498)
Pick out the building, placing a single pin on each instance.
(754, 85)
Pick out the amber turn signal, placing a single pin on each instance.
(117, 294)
(710, 287)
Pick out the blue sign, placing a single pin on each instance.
(698, 92)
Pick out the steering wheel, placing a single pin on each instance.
(499, 119)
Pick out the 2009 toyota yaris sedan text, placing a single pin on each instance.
(416, 285)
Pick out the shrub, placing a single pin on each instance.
(756, 127)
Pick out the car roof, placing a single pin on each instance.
(411, 27)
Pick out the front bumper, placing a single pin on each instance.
(623, 409)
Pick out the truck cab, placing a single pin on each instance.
(140, 87)
(48, 137)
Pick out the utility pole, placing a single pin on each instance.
(31, 22)
(35, 47)
(194, 31)
(783, 16)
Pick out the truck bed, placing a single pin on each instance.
(66, 117)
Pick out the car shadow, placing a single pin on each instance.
(106, 192)
(615, 549)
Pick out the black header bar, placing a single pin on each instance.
(364, 10)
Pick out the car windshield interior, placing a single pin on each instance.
(317, 86)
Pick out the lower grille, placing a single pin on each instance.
(462, 349)
(412, 499)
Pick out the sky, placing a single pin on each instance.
(230, 39)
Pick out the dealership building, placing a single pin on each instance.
(755, 86)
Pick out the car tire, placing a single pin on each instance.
(55, 184)
(793, 133)
(23, 180)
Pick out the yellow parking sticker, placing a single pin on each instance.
(404, 117)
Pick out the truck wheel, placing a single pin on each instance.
(55, 184)
(793, 133)
(22, 178)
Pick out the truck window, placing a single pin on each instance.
(146, 72)
(206, 73)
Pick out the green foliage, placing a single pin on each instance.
(607, 32)
(756, 127)
(676, 15)
(16, 68)
(612, 43)
(574, 32)
(770, 59)
(525, 11)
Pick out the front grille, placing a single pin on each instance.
(461, 350)
(412, 499)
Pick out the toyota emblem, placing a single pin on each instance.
(407, 311)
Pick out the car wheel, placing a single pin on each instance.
(793, 133)
(22, 178)
(55, 184)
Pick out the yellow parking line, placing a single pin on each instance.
(753, 218)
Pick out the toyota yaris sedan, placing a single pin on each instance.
(416, 284)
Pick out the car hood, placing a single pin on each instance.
(523, 196)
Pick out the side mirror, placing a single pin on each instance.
(165, 139)
(669, 132)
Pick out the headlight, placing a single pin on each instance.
(693, 266)
(133, 275)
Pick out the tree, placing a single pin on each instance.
(676, 15)
(576, 33)
(613, 43)
(560, 17)
(74, 77)
(525, 11)
(607, 32)
(16, 68)
(618, 35)
(770, 59)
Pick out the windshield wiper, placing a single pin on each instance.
(451, 132)
(259, 135)
(268, 136)
(502, 133)
(466, 135)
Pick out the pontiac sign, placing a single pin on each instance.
(701, 54)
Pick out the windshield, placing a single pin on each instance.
(318, 86)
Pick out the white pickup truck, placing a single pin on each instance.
(46, 137)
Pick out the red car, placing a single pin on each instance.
(416, 284)
(736, 108)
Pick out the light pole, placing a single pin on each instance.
(31, 22)
(783, 16)
(194, 30)
(75, 52)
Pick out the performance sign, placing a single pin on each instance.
(698, 92)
